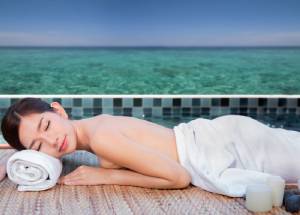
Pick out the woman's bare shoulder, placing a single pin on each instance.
(103, 126)
(101, 121)
(111, 122)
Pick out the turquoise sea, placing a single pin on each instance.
(155, 70)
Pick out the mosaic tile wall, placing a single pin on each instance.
(171, 107)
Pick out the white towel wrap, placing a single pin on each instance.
(226, 154)
(33, 170)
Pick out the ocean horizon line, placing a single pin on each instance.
(152, 47)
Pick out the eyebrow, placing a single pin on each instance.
(38, 128)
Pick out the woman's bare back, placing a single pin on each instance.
(141, 131)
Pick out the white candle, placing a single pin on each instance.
(277, 185)
(259, 197)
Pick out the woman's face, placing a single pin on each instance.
(47, 132)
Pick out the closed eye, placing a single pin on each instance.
(47, 125)
(39, 147)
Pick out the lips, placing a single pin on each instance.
(63, 144)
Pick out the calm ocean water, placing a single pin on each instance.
(150, 70)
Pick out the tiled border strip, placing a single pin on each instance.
(168, 105)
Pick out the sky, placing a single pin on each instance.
(150, 23)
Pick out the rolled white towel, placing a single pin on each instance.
(33, 170)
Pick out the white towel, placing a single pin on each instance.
(33, 170)
(226, 154)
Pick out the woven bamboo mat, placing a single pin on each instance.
(114, 199)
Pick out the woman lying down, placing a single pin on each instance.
(222, 155)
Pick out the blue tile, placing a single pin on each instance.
(186, 111)
(292, 110)
(205, 110)
(292, 102)
(187, 102)
(108, 110)
(176, 111)
(97, 111)
(282, 102)
(166, 111)
(147, 102)
(233, 110)
(127, 102)
(196, 102)
(118, 111)
(272, 102)
(243, 111)
(234, 102)
(262, 101)
(243, 101)
(205, 102)
(117, 102)
(176, 102)
(137, 102)
(196, 111)
(215, 102)
(127, 111)
(252, 102)
(147, 112)
(282, 110)
(67, 102)
(87, 102)
(77, 111)
(97, 102)
(224, 102)
(137, 111)
(157, 102)
(107, 103)
(252, 110)
(77, 102)
(166, 102)
(157, 112)
(88, 111)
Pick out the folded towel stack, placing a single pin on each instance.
(33, 170)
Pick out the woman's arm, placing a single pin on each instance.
(87, 175)
(131, 178)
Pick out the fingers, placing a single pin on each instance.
(60, 180)
(76, 177)
(78, 180)
(71, 175)
(75, 174)
(67, 181)
(74, 181)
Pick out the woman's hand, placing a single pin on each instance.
(83, 175)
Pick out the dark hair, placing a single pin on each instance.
(11, 120)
